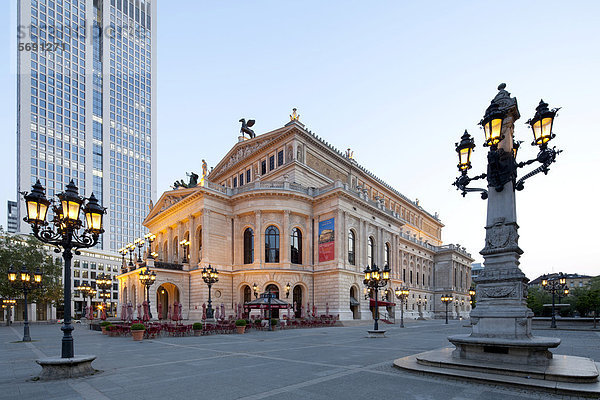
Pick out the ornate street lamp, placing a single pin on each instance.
(87, 291)
(8, 304)
(150, 237)
(210, 276)
(131, 249)
(25, 283)
(374, 280)
(502, 314)
(147, 278)
(255, 290)
(66, 234)
(402, 294)
(473, 300)
(185, 245)
(139, 242)
(104, 283)
(288, 287)
(446, 299)
(555, 285)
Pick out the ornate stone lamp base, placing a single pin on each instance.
(63, 368)
(376, 334)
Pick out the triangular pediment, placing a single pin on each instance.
(168, 200)
(243, 150)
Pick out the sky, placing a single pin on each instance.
(396, 81)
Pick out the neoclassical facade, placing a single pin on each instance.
(287, 207)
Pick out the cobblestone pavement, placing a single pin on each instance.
(321, 363)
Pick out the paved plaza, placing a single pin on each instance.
(320, 363)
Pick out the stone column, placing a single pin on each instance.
(193, 242)
(205, 237)
(284, 250)
(170, 248)
(258, 238)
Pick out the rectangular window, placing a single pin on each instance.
(234, 182)
(248, 176)
(241, 179)
(263, 167)
(271, 163)
(280, 158)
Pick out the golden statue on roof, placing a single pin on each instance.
(294, 116)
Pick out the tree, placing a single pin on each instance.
(19, 250)
(536, 299)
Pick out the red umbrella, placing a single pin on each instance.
(159, 309)
(203, 311)
(103, 314)
(129, 311)
(123, 311)
(170, 314)
(180, 316)
(175, 314)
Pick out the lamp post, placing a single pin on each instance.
(255, 290)
(375, 279)
(123, 251)
(473, 300)
(139, 243)
(555, 285)
(104, 283)
(150, 237)
(402, 294)
(502, 314)
(87, 291)
(131, 249)
(210, 276)
(24, 281)
(66, 233)
(8, 304)
(446, 299)
(147, 278)
(185, 245)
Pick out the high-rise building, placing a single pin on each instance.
(12, 221)
(87, 105)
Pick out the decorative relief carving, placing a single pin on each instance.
(323, 168)
(241, 153)
(169, 201)
(501, 236)
(498, 291)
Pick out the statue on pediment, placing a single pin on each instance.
(193, 181)
(245, 129)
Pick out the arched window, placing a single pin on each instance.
(296, 246)
(387, 255)
(272, 244)
(371, 252)
(248, 246)
(351, 247)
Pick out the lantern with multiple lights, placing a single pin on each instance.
(147, 278)
(151, 237)
(446, 299)
(65, 232)
(556, 285)
(502, 162)
(24, 281)
(104, 283)
(374, 280)
(210, 276)
(402, 295)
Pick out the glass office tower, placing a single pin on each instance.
(87, 105)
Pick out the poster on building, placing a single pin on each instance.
(327, 240)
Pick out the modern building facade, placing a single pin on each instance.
(12, 220)
(286, 212)
(86, 105)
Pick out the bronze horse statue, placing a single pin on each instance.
(193, 182)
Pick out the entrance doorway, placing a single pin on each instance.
(272, 288)
(166, 295)
(354, 303)
(297, 301)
